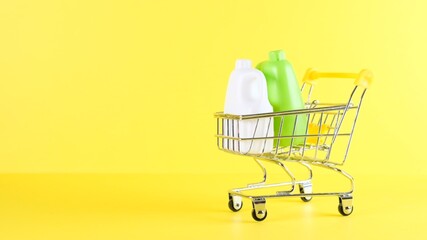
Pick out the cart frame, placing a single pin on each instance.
(323, 128)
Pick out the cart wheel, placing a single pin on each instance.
(235, 203)
(260, 215)
(345, 212)
(259, 212)
(306, 188)
(306, 199)
(345, 206)
(235, 207)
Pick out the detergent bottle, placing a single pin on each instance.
(247, 94)
(284, 94)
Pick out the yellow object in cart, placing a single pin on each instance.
(313, 129)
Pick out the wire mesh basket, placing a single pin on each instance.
(327, 128)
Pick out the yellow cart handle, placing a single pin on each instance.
(362, 79)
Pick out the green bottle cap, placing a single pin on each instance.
(277, 55)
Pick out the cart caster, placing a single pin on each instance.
(345, 207)
(235, 203)
(259, 213)
(306, 187)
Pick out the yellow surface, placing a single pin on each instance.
(130, 87)
(132, 206)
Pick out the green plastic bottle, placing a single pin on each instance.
(284, 94)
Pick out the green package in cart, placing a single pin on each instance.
(284, 94)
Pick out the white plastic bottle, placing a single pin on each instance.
(247, 94)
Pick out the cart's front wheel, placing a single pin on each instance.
(259, 215)
(235, 203)
(259, 212)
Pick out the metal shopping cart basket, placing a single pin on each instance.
(325, 125)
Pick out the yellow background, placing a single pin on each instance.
(131, 86)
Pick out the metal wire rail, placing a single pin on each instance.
(324, 126)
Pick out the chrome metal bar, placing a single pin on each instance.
(217, 132)
(341, 121)
(326, 118)
(336, 132)
(238, 191)
(261, 186)
(330, 126)
(279, 134)
(293, 180)
(233, 142)
(283, 113)
(342, 172)
(299, 136)
(326, 104)
(293, 134)
(309, 169)
(321, 194)
(238, 134)
(309, 93)
(318, 136)
(354, 125)
(264, 171)
(228, 132)
(266, 135)
(306, 133)
(253, 137)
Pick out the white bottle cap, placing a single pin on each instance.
(243, 64)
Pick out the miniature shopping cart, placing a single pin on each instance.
(328, 129)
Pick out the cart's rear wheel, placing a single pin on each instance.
(345, 211)
(306, 188)
(306, 199)
(259, 215)
(345, 206)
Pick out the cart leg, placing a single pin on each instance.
(264, 176)
(293, 179)
(235, 203)
(310, 171)
(259, 211)
(345, 206)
